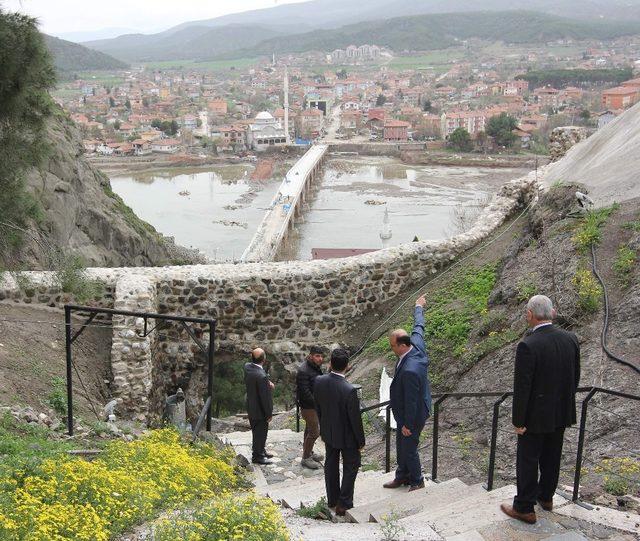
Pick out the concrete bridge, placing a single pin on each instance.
(285, 207)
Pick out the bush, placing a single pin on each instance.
(619, 474)
(248, 517)
(65, 498)
(588, 290)
(57, 398)
(70, 274)
(589, 228)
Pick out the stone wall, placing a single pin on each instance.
(563, 138)
(280, 306)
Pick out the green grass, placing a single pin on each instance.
(434, 59)
(589, 228)
(624, 263)
(212, 65)
(450, 316)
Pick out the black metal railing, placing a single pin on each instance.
(501, 396)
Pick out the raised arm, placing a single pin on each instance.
(417, 335)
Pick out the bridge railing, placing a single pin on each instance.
(501, 396)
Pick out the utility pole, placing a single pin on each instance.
(286, 106)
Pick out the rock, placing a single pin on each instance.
(563, 138)
(63, 187)
(606, 500)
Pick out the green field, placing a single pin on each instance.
(213, 65)
(433, 59)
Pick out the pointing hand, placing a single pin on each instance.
(421, 301)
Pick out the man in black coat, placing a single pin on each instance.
(306, 375)
(546, 377)
(341, 430)
(259, 404)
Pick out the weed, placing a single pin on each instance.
(624, 263)
(633, 226)
(57, 397)
(589, 228)
(390, 526)
(319, 510)
(70, 274)
(526, 289)
(588, 290)
(619, 474)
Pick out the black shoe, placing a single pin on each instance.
(262, 461)
(267, 455)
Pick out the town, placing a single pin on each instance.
(365, 93)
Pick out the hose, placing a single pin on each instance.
(605, 326)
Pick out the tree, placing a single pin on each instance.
(112, 102)
(501, 129)
(116, 125)
(127, 104)
(381, 100)
(26, 75)
(426, 106)
(460, 140)
(342, 74)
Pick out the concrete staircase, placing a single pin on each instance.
(449, 510)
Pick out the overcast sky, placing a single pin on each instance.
(64, 16)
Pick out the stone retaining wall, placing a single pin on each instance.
(280, 306)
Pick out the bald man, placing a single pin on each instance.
(410, 399)
(259, 404)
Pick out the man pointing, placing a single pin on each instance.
(410, 399)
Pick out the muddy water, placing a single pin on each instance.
(217, 210)
(348, 208)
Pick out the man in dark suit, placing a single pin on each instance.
(259, 404)
(341, 430)
(410, 399)
(546, 377)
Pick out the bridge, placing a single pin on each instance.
(285, 207)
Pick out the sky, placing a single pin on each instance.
(58, 17)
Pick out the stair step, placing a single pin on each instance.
(243, 438)
(406, 503)
(612, 518)
(468, 513)
(309, 492)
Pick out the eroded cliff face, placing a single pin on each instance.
(82, 215)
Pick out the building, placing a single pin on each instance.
(165, 146)
(350, 121)
(620, 97)
(264, 132)
(472, 121)
(218, 107)
(605, 117)
(141, 147)
(396, 130)
(310, 123)
(232, 138)
(547, 97)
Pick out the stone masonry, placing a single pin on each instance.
(281, 306)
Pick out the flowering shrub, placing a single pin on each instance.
(245, 518)
(71, 499)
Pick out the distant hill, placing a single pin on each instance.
(189, 43)
(427, 32)
(70, 57)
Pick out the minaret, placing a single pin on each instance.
(286, 105)
(385, 232)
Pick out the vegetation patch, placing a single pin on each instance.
(620, 475)
(589, 228)
(46, 495)
(588, 290)
(71, 276)
(319, 510)
(624, 264)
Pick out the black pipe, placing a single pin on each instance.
(67, 332)
(434, 454)
(605, 326)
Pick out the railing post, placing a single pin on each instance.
(212, 332)
(297, 417)
(494, 438)
(436, 416)
(67, 334)
(387, 450)
(583, 424)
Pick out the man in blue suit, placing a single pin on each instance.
(410, 399)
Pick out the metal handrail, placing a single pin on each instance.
(501, 396)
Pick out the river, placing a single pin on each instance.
(219, 209)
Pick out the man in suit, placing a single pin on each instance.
(410, 399)
(306, 375)
(259, 404)
(546, 377)
(341, 430)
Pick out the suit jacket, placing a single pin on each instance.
(306, 375)
(259, 399)
(338, 410)
(546, 376)
(410, 388)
